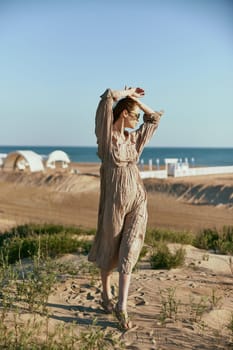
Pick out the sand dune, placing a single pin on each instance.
(208, 190)
(201, 193)
(181, 204)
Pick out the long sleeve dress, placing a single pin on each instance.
(122, 216)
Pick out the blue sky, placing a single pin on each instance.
(57, 57)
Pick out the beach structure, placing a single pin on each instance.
(23, 161)
(158, 174)
(58, 159)
(2, 158)
(150, 173)
(175, 167)
(211, 170)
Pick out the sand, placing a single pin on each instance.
(182, 204)
(179, 204)
(199, 282)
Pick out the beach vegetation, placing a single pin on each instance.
(197, 307)
(31, 269)
(36, 335)
(169, 304)
(162, 235)
(27, 286)
(24, 241)
(97, 338)
(25, 314)
(163, 258)
(37, 229)
(91, 270)
(219, 241)
(215, 299)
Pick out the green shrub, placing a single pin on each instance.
(220, 242)
(162, 258)
(49, 246)
(169, 304)
(97, 338)
(26, 230)
(36, 335)
(207, 239)
(157, 235)
(35, 285)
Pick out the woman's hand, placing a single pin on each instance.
(135, 92)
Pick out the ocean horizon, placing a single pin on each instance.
(196, 156)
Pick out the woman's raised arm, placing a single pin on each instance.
(104, 117)
(134, 93)
(151, 120)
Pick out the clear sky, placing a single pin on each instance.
(57, 57)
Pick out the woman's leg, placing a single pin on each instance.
(121, 306)
(106, 302)
(133, 235)
(106, 284)
(124, 282)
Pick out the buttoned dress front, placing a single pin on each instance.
(122, 216)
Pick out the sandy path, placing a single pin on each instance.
(77, 300)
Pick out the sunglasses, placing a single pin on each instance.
(135, 115)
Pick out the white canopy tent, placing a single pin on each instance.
(23, 160)
(57, 157)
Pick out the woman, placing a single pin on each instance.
(122, 215)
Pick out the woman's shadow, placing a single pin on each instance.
(90, 315)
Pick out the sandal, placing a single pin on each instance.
(107, 304)
(123, 318)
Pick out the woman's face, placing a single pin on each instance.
(132, 119)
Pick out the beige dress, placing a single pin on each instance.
(122, 214)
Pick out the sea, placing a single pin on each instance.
(197, 156)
